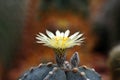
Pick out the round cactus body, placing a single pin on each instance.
(52, 71)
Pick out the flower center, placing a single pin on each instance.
(59, 41)
(61, 38)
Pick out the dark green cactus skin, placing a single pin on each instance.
(64, 71)
(52, 72)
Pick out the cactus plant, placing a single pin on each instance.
(114, 63)
(63, 70)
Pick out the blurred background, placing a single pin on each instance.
(21, 20)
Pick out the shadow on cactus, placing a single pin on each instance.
(63, 70)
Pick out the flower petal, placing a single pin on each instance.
(62, 34)
(74, 35)
(43, 35)
(67, 32)
(50, 34)
(78, 36)
(80, 40)
(40, 42)
(57, 33)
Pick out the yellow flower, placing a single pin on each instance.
(60, 40)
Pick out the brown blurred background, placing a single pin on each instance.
(21, 20)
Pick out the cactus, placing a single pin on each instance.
(52, 71)
(114, 63)
(63, 70)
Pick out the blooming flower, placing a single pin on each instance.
(60, 40)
